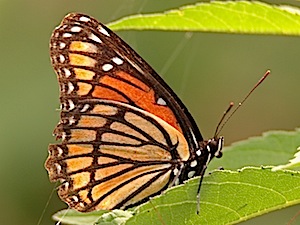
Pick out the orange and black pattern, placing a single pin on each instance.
(125, 134)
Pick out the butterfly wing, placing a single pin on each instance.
(124, 131)
(92, 60)
(112, 155)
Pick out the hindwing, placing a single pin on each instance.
(113, 155)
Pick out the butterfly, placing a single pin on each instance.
(125, 135)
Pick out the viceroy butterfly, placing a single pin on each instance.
(125, 134)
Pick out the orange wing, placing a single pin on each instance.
(93, 62)
(125, 134)
(107, 160)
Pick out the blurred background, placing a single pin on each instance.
(207, 71)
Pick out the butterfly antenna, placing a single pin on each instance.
(222, 119)
(293, 219)
(221, 125)
(158, 213)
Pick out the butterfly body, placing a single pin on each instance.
(125, 134)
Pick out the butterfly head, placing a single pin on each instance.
(218, 144)
(213, 147)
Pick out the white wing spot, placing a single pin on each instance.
(85, 108)
(62, 45)
(175, 171)
(107, 67)
(63, 136)
(67, 35)
(103, 31)
(81, 204)
(66, 186)
(161, 101)
(58, 168)
(176, 182)
(76, 29)
(191, 174)
(70, 88)
(71, 104)
(198, 152)
(67, 72)
(208, 148)
(84, 19)
(60, 151)
(95, 38)
(62, 58)
(117, 60)
(75, 198)
(72, 120)
(193, 163)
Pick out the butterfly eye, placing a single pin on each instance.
(219, 155)
(220, 143)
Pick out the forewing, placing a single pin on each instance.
(92, 62)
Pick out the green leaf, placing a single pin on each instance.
(103, 217)
(227, 197)
(272, 148)
(293, 163)
(69, 216)
(115, 217)
(219, 16)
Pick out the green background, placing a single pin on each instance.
(207, 70)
